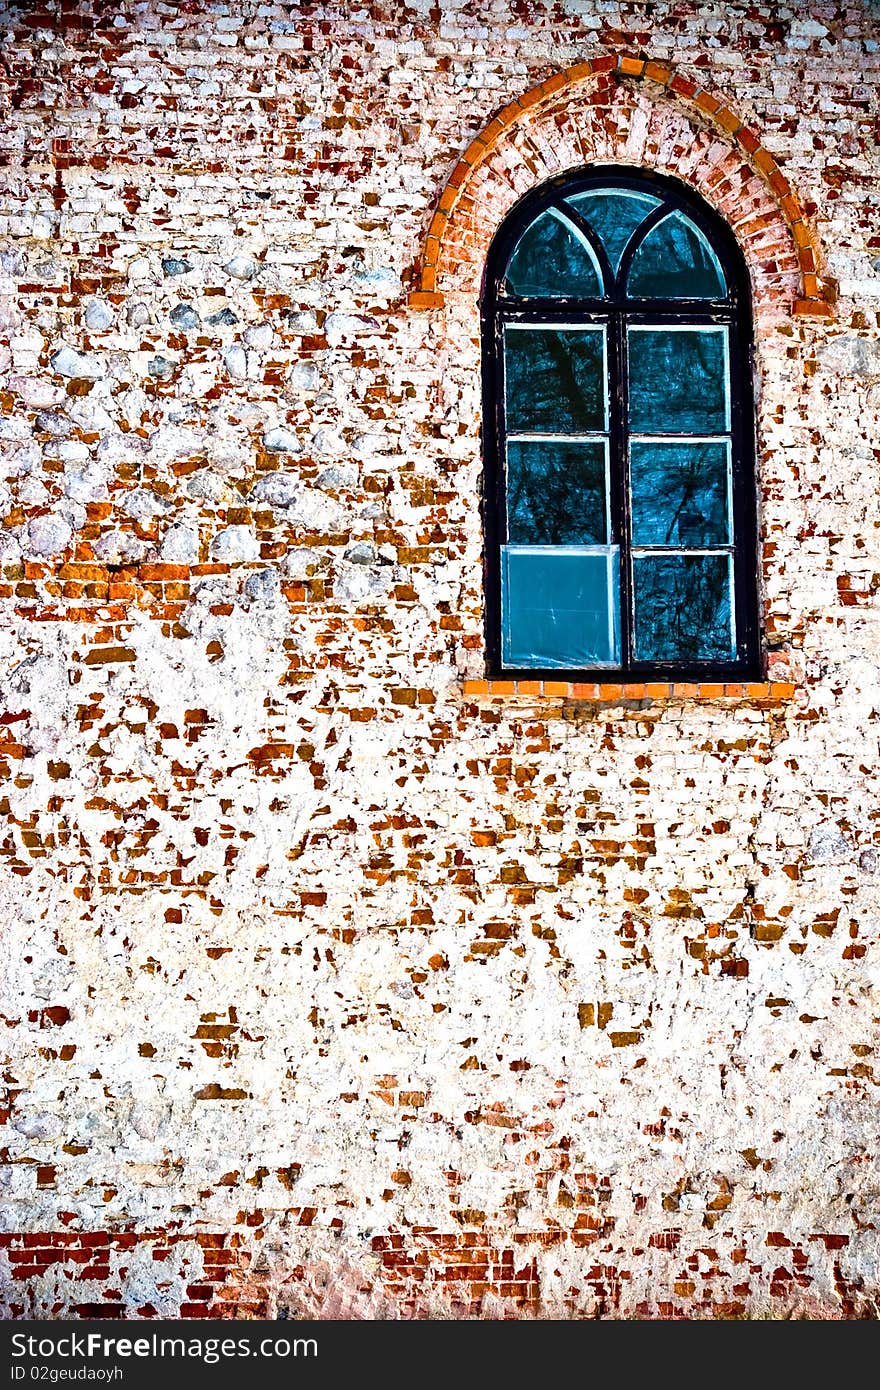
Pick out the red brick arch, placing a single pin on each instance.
(594, 113)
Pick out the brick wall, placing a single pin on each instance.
(340, 982)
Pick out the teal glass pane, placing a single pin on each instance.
(682, 608)
(675, 261)
(680, 493)
(559, 608)
(554, 380)
(614, 214)
(556, 492)
(552, 258)
(678, 381)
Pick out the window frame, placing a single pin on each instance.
(615, 312)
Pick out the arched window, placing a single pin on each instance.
(619, 504)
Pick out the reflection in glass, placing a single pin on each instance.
(682, 608)
(552, 258)
(559, 607)
(675, 261)
(556, 492)
(614, 215)
(680, 493)
(678, 380)
(555, 380)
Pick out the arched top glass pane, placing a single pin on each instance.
(614, 214)
(554, 259)
(675, 261)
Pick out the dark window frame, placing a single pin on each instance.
(616, 312)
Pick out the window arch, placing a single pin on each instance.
(619, 498)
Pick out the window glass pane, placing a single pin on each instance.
(554, 380)
(614, 214)
(680, 493)
(559, 607)
(553, 258)
(676, 262)
(683, 608)
(678, 380)
(556, 492)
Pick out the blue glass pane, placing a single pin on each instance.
(680, 494)
(678, 380)
(682, 608)
(559, 607)
(556, 492)
(614, 214)
(552, 258)
(675, 261)
(554, 380)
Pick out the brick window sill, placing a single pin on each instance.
(648, 692)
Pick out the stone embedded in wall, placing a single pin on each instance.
(236, 362)
(827, 843)
(48, 535)
(98, 315)
(281, 440)
(852, 355)
(241, 268)
(234, 544)
(66, 361)
(180, 545)
(185, 316)
(279, 490)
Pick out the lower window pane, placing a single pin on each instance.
(682, 608)
(559, 607)
(679, 493)
(556, 492)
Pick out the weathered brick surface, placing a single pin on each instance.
(337, 980)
